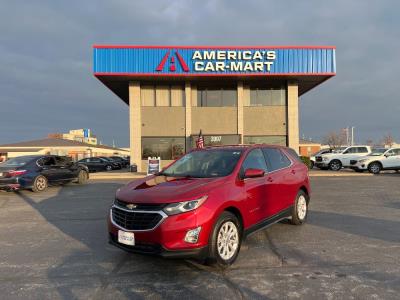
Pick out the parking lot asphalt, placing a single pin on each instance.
(54, 246)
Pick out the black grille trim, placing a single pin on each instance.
(136, 220)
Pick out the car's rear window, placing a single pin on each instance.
(16, 162)
(293, 154)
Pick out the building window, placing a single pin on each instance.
(217, 140)
(162, 95)
(216, 97)
(266, 139)
(267, 97)
(167, 148)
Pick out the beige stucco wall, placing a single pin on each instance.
(270, 120)
(163, 121)
(218, 120)
(293, 115)
(135, 124)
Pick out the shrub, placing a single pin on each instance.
(306, 161)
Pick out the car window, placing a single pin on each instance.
(96, 160)
(277, 159)
(389, 153)
(396, 151)
(62, 161)
(362, 150)
(205, 163)
(46, 161)
(350, 150)
(16, 162)
(254, 160)
(293, 154)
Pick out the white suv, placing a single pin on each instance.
(336, 161)
(378, 160)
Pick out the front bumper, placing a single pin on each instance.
(156, 249)
(167, 238)
(321, 164)
(359, 167)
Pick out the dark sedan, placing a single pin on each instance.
(122, 161)
(37, 172)
(96, 164)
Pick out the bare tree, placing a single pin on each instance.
(370, 142)
(334, 139)
(388, 140)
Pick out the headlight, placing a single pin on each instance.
(181, 207)
(324, 158)
(362, 160)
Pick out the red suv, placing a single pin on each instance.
(205, 203)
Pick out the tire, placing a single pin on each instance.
(82, 177)
(300, 209)
(40, 184)
(335, 165)
(220, 253)
(311, 164)
(109, 168)
(375, 167)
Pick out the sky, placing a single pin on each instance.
(46, 81)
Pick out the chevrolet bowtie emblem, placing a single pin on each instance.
(131, 206)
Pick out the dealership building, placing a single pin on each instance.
(231, 94)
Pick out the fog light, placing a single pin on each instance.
(193, 235)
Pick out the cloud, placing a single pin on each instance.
(45, 53)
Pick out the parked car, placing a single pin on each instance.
(116, 164)
(122, 161)
(378, 160)
(37, 172)
(337, 160)
(205, 203)
(95, 164)
(320, 152)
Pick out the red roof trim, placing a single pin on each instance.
(208, 47)
(210, 75)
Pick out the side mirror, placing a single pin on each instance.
(253, 173)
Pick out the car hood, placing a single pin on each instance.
(163, 189)
(369, 157)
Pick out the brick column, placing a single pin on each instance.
(135, 124)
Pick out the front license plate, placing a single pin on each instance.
(126, 238)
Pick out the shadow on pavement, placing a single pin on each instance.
(95, 269)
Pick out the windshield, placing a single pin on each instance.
(16, 162)
(377, 152)
(205, 164)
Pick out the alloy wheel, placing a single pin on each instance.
(41, 183)
(375, 168)
(228, 240)
(301, 207)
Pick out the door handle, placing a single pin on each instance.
(269, 179)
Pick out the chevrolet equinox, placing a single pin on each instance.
(205, 203)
